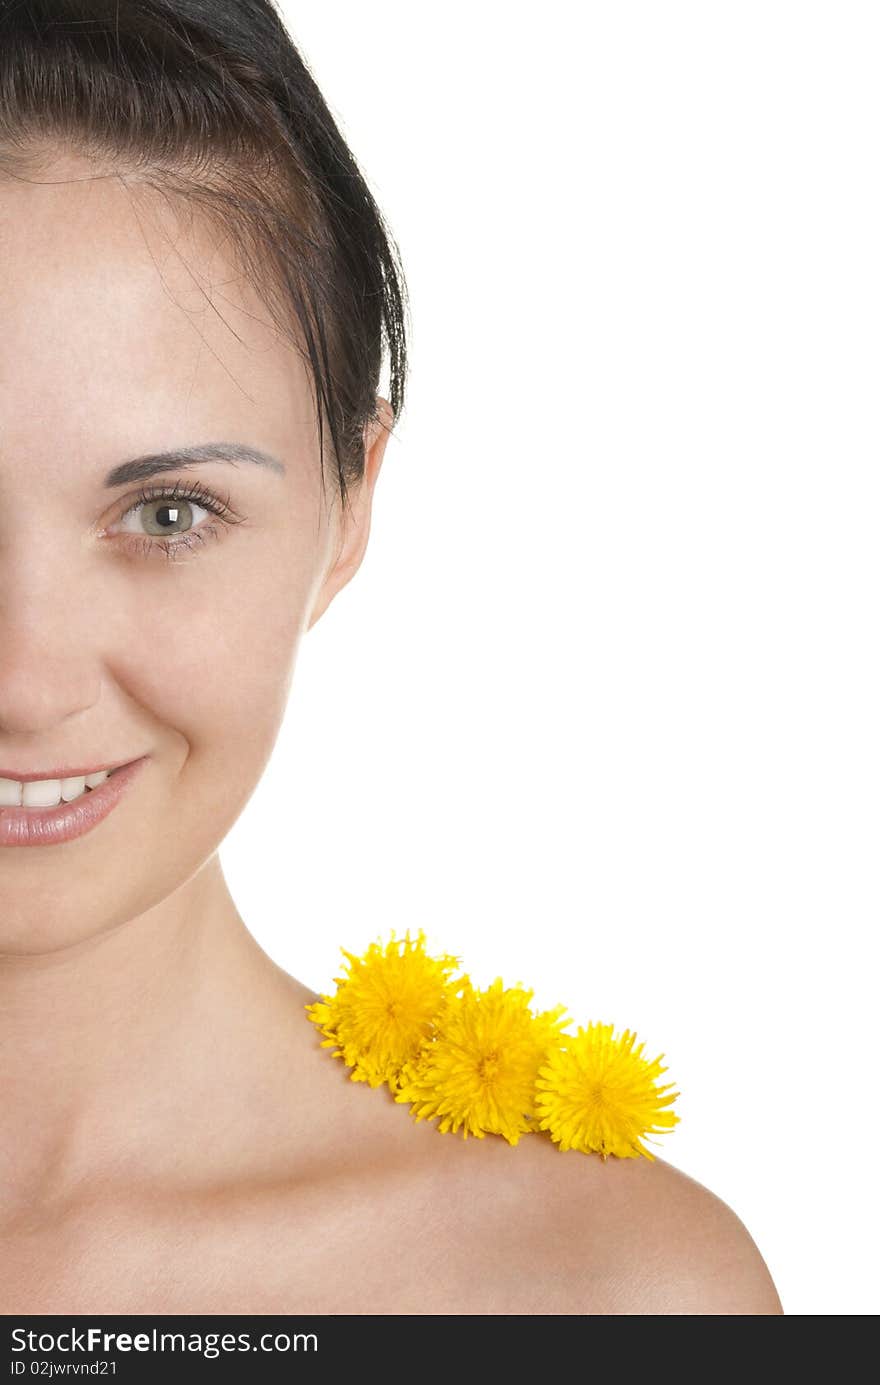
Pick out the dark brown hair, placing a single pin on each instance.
(209, 101)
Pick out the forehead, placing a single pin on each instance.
(123, 309)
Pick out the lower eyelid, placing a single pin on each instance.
(146, 544)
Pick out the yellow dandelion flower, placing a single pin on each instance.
(596, 1093)
(384, 1009)
(479, 1072)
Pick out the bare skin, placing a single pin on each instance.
(174, 1139)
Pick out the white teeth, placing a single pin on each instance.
(48, 793)
(41, 793)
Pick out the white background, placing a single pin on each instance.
(599, 711)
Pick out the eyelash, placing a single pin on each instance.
(146, 544)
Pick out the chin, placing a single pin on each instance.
(33, 926)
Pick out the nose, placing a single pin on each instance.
(49, 658)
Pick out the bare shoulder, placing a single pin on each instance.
(456, 1226)
(630, 1236)
(687, 1251)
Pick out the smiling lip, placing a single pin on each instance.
(60, 773)
(49, 826)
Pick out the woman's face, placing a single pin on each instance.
(129, 331)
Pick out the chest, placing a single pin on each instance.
(287, 1255)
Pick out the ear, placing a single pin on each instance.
(352, 529)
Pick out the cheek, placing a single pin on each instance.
(216, 655)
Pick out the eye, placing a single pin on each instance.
(171, 520)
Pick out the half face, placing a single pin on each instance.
(150, 610)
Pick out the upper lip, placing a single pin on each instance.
(27, 777)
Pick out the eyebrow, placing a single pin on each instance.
(139, 468)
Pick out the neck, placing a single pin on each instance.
(134, 1054)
